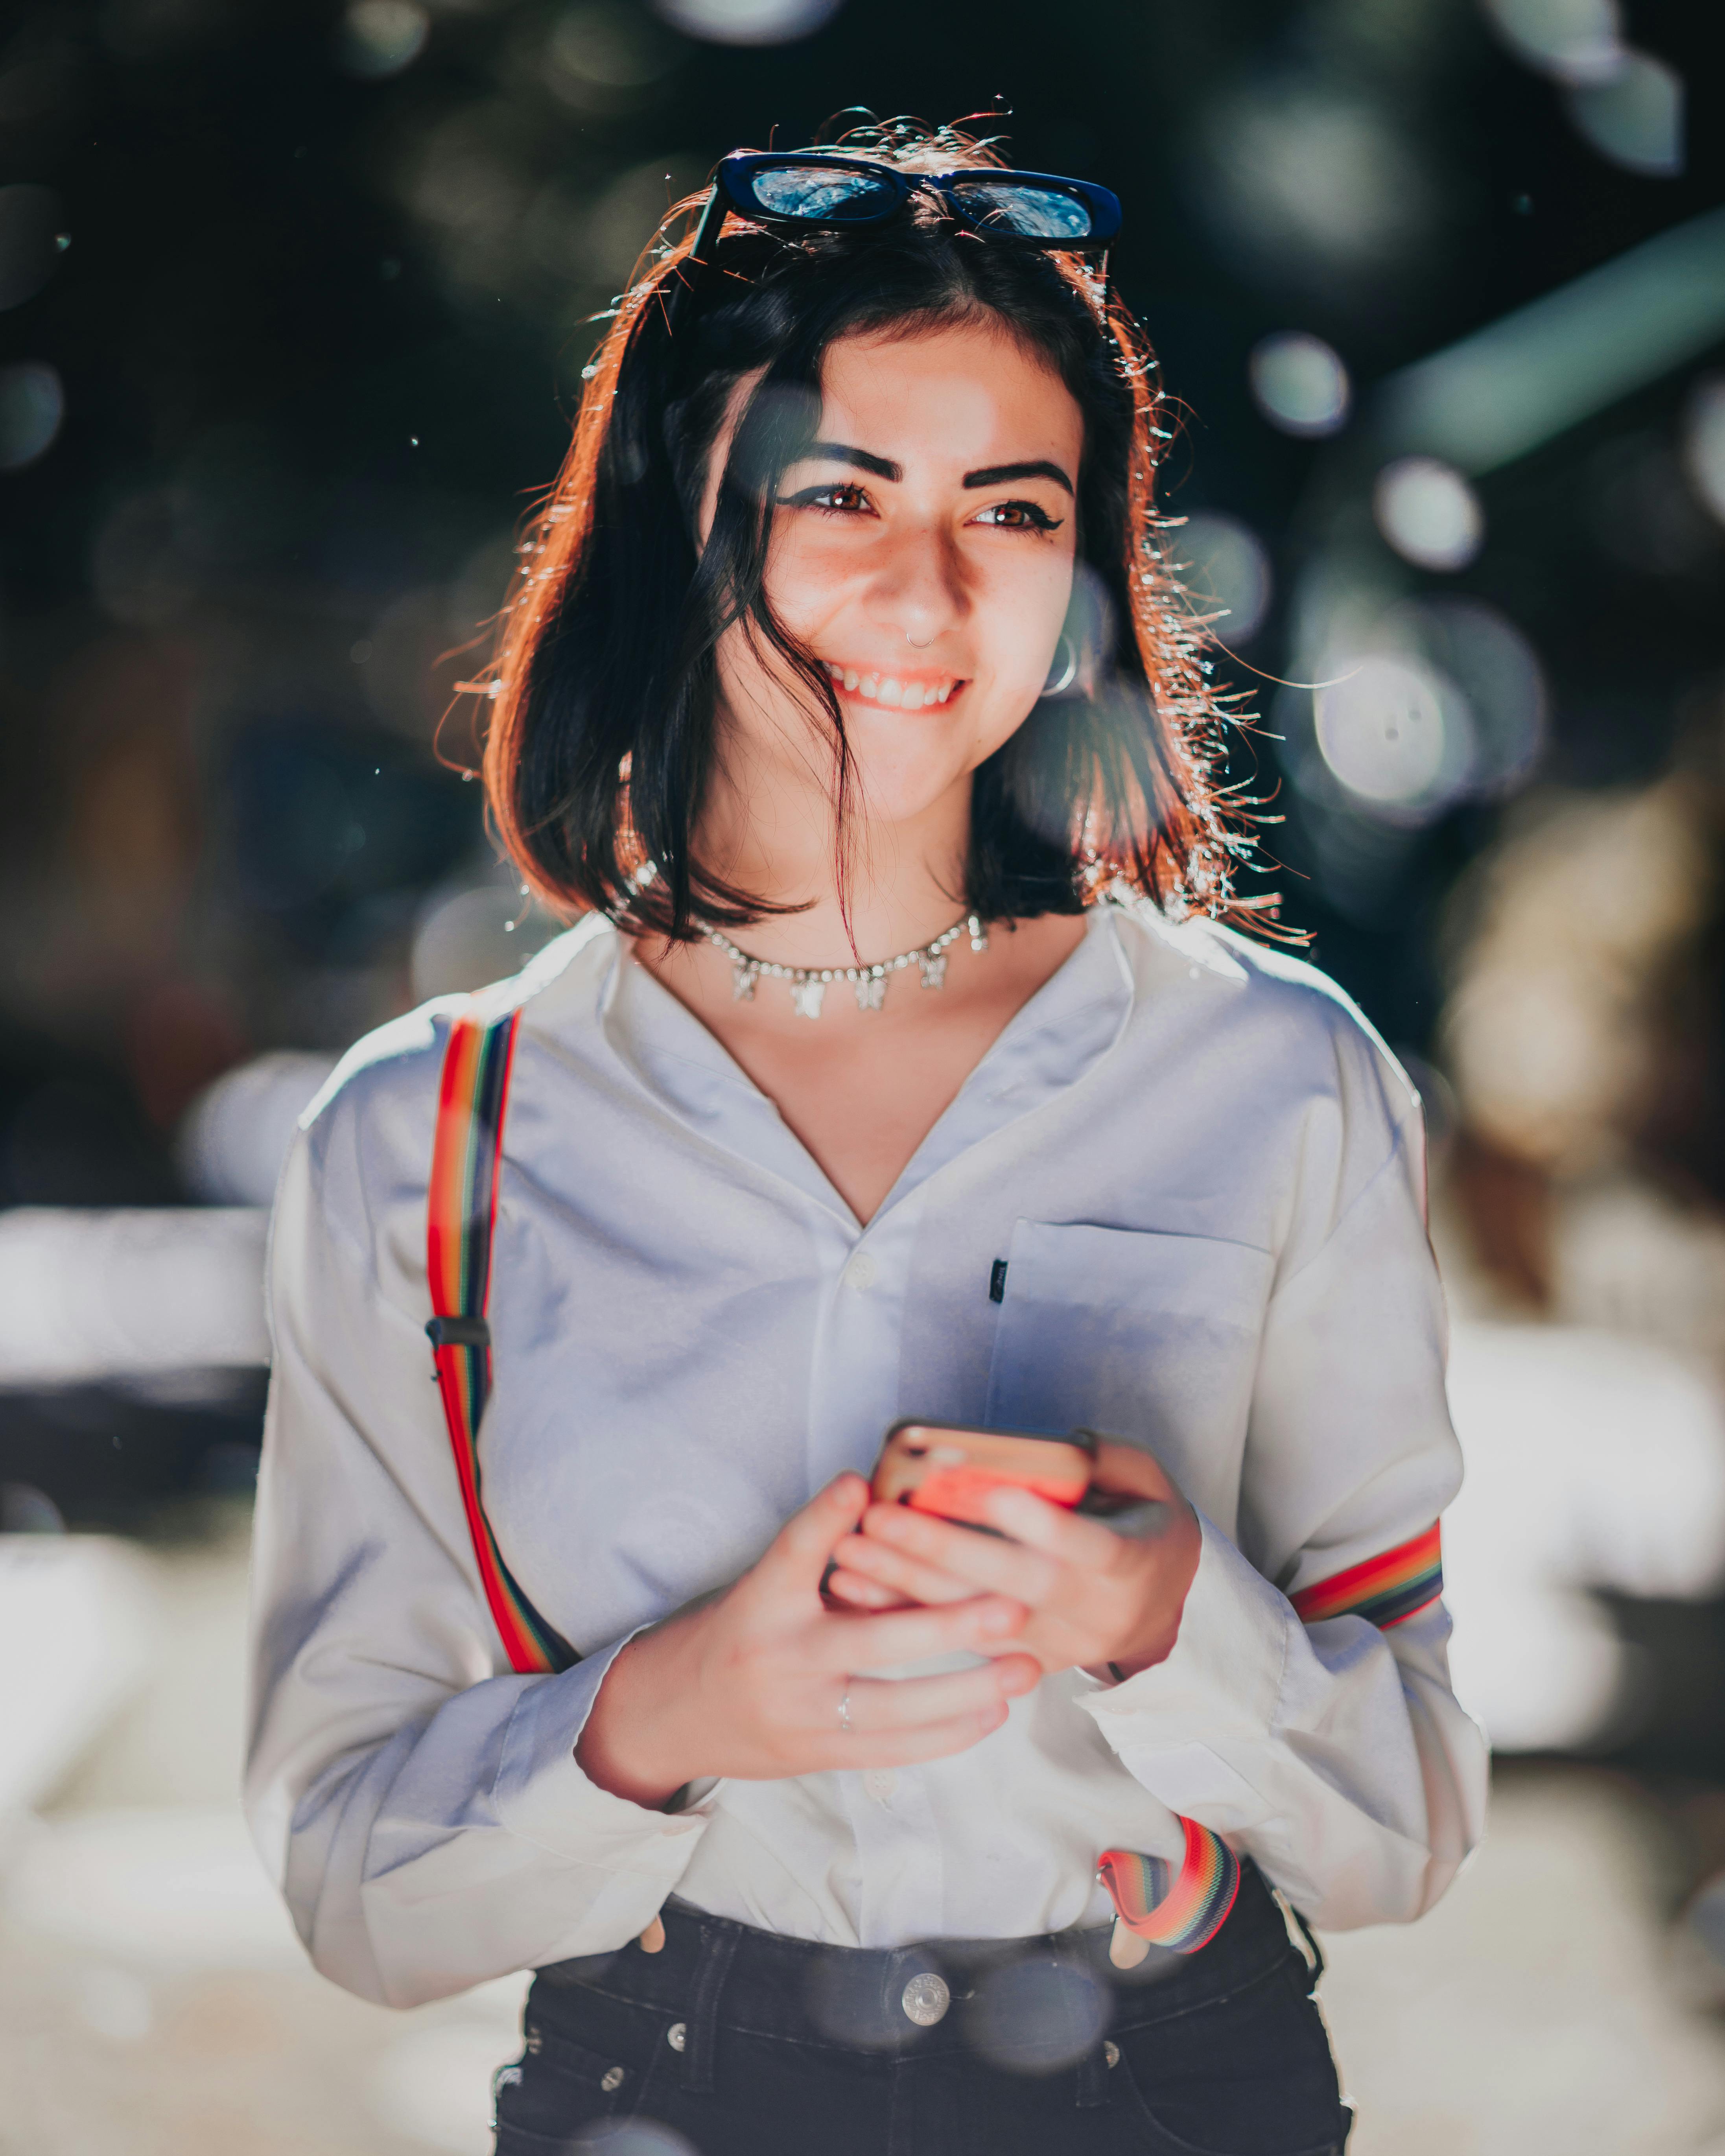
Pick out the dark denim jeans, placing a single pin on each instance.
(732, 2042)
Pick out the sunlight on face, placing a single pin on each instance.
(923, 552)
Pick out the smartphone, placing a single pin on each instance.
(950, 1468)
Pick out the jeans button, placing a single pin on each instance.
(677, 2034)
(926, 1998)
(611, 2079)
(1110, 2053)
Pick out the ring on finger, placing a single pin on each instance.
(845, 1708)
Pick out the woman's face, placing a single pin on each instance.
(923, 552)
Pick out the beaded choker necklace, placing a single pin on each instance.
(809, 983)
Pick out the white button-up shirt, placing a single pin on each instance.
(1204, 1175)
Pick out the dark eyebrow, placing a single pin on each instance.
(999, 474)
(840, 453)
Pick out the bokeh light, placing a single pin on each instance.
(1393, 734)
(1486, 663)
(1636, 116)
(1545, 1034)
(1577, 41)
(1227, 571)
(380, 37)
(748, 22)
(91, 1293)
(1309, 180)
(1704, 443)
(599, 56)
(1429, 513)
(235, 1137)
(1422, 703)
(33, 406)
(1300, 383)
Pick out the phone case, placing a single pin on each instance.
(950, 1468)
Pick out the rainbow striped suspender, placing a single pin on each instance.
(1385, 1589)
(1182, 1906)
(462, 1213)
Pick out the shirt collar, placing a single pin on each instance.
(1073, 1020)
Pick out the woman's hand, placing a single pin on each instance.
(750, 1685)
(1094, 1597)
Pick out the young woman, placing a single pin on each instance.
(898, 1065)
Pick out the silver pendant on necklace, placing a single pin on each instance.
(808, 984)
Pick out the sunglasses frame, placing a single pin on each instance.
(736, 172)
(730, 197)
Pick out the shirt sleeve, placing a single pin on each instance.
(420, 1807)
(1334, 1752)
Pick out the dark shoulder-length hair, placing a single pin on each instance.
(601, 733)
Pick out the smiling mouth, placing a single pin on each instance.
(891, 688)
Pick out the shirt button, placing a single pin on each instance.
(859, 1273)
(879, 1782)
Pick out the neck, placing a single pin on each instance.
(902, 882)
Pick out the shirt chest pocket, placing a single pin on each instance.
(1148, 1336)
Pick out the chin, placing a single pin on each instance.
(898, 791)
(905, 769)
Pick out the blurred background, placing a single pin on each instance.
(293, 304)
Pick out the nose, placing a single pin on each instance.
(918, 592)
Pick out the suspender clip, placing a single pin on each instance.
(458, 1331)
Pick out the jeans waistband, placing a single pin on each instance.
(929, 1996)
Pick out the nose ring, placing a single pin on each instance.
(913, 644)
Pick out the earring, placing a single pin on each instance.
(1064, 672)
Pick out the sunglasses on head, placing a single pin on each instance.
(816, 191)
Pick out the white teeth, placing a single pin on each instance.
(886, 689)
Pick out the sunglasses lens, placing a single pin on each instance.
(823, 191)
(1036, 212)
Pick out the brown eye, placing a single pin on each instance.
(844, 499)
(1019, 516)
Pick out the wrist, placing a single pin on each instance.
(1177, 1567)
(630, 1745)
